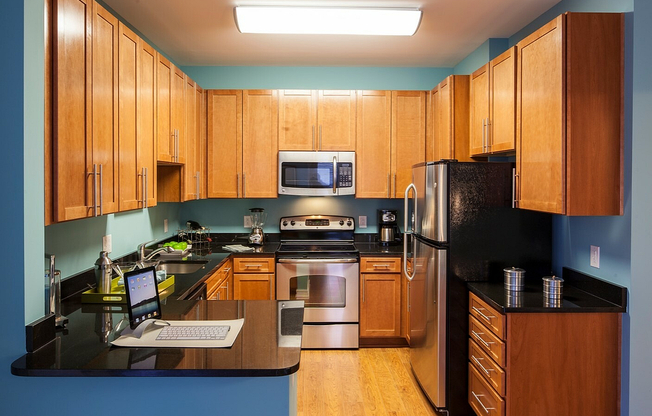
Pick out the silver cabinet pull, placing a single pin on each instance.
(389, 185)
(320, 137)
(197, 184)
(94, 175)
(227, 288)
(334, 169)
(271, 291)
(146, 190)
(176, 150)
(394, 185)
(477, 397)
(477, 335)
(488, 318)
(244, 186)
(218, 295)
(484, 137)
(517, 193)
(488, 134)
(237, 185)
(477, 361)
(101, 191)
(513, 187)
(313, 137)
(364, 281)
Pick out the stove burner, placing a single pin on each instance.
(321, 248)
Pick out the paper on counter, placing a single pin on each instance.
(238, 248)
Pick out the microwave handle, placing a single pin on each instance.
(334, 174)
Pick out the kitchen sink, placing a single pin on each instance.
(180, 267)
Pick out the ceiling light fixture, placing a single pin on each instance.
(327, 21)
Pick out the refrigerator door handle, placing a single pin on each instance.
(409, 231)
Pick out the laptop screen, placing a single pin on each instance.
(142, 296)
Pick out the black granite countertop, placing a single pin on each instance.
(581, 293)
(377, 249)
(83, 349)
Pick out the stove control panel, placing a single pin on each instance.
(317, 223)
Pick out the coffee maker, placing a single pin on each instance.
(388, 231)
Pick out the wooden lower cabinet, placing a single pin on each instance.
(551, 363)
(254, 278)
(381, 293)
(220, 285)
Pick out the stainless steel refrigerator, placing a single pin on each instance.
(462, 227)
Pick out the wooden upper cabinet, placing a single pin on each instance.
(408, 137)
(104, 104)
(432, 125)
(570, 116)
(178, 113)
(492, 126)
(336, 120)
(451, 119)
(224, 108)
(147, 120)
(190, 169)
(165, 133)
(373, 144)
(297, 120)
(131, 174)
(317, 120)
(479, 110)
(260, 144)
(202, 148)
(73, 187)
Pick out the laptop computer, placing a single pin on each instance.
(147, 329)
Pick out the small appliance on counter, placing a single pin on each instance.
(258, 217)
(388, 230)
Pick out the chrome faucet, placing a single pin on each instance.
(144, 258)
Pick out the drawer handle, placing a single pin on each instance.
(487, 318)
(384, 266)
(257, 266)
(477, 397)
(477, 335)
(477, 361)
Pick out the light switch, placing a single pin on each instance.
(362, 221)
(595, 257)
(165, 225)
(247, 221)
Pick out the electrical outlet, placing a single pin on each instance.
(595, 257)
(165, 225)
(362, 221)
(247, 221)
(106, 243)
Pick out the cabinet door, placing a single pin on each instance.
(444, 120)
(224, 143)
(380, 305)
(165, 134)
(479, 111)
(147, 120)
(73, 187)
(502, 128)
(373, 144)
(104, 124)
(336, 116)
(202, 147)
(432, 139)
(297, 120)
(130, 174)
(177, 113)
(541, 135)
(259, 286)
(260, 144)
(408, 137)
(190, 172)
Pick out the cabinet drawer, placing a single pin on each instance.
(213, 282)
(380, 265)
(485, 339)
(487, 315)
(487, 368)
(253, 265)
(482, 398)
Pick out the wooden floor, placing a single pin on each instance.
(368, 381)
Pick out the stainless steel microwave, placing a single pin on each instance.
(316, 173)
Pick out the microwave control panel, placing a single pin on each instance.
(344, 175)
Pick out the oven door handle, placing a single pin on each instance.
(317, 260)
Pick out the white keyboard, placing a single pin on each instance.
(174, 332)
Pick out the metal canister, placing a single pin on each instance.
(103, 273)
(514, 278)
(553, 291)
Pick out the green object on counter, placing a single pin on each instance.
(117, 294)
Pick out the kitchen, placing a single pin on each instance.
(567, 253)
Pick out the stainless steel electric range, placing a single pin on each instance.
(318, 263)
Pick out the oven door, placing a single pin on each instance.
(328, 287)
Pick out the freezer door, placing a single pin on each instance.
(431, 182)
(428, 321)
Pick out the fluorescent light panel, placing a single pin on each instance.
(327, 21)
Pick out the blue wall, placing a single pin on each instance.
(490, 49)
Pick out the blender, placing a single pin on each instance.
(258, 217)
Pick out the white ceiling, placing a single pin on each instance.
(203, 32)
